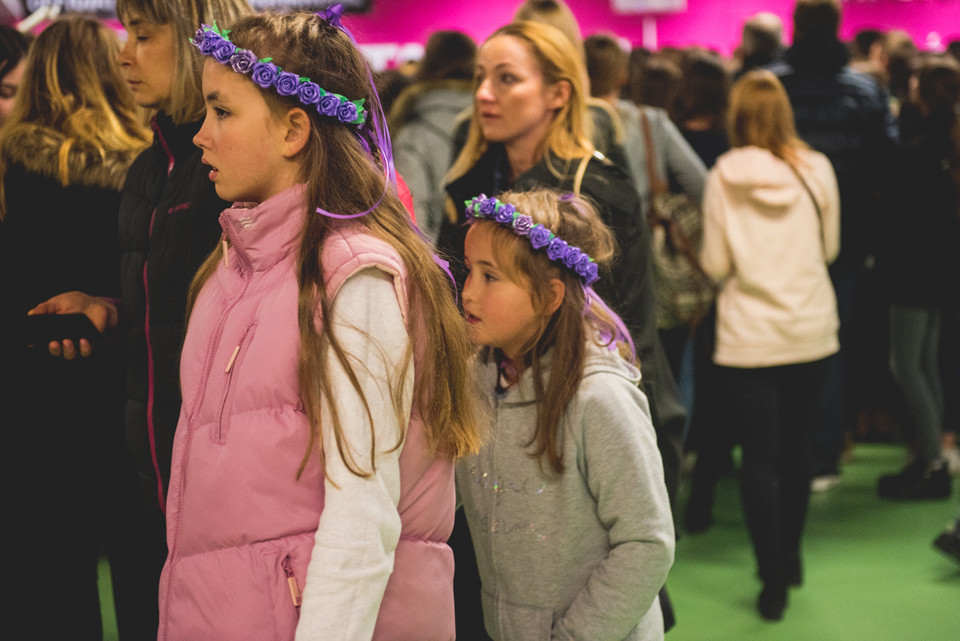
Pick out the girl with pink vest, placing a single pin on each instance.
(325, 366)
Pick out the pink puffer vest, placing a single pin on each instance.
(239, 522)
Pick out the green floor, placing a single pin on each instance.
(871, 572)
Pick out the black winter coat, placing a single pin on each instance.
(920, 260)
(169, 222)
(62, 418)
(845, 115)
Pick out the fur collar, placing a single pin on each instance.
(37, 149)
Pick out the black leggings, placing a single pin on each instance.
(775, 410)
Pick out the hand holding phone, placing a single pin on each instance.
(42, 329)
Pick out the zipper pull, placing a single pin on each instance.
(292, 583)
(294, 592)
(233, 357)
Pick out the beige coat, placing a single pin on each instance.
(764, 242)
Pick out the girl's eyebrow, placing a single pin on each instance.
(213, 96)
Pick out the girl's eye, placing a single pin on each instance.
(508, 78)
(220, 113)
(490, 278)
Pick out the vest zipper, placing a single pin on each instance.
(228, 370)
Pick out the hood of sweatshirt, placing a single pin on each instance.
(761, 177)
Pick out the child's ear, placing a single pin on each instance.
(555, 298)
(296, 132)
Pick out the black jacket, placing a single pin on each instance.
(628, 288)
(920, 261)
(62, 417)
(169, 222)
(845, 115)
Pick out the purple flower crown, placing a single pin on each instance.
(213, 41)
(557, 249)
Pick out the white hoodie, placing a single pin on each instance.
(763, 242)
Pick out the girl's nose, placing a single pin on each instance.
(467, 293)
(200, 140)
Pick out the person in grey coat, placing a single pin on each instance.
(566, 501)
(423, 120)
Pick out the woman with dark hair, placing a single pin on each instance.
(699, 106)
(423, 119)
(921, 268)
(66, 148)
(13, 51)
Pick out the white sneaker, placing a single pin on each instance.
(825, 483)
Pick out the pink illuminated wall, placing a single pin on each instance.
(712, 23)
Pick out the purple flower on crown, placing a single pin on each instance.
(522, 225)
(308, 92)
(210, 41)
(265, 74)
(588, 270)
(243, 60)
(557, 249)
(572, 257)
(488, 207)
(539, 236)
(347, 111)
(505, 213)
(329, 105)
(198, 36)
(223, 51)
(287, 83)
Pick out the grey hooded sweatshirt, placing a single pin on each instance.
(582, 554)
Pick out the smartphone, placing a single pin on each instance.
(41, 329)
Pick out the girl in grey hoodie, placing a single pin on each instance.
(566, 503)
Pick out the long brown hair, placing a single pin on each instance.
(184, 16)
(566, 331)
(568, 136)
(343, 177)
(760, 115)
(72, 86)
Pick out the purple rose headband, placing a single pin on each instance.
(213, 42)
(557, 249)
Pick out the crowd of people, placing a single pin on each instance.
(289, 340)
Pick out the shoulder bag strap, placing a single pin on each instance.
(656, 185)
(816, 205)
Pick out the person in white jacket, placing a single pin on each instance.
(771, 226)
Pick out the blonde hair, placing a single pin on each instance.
(567, 330)
(760, 115)
(568, 136)
(343, 177)
(184, 17)
(72, 85)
